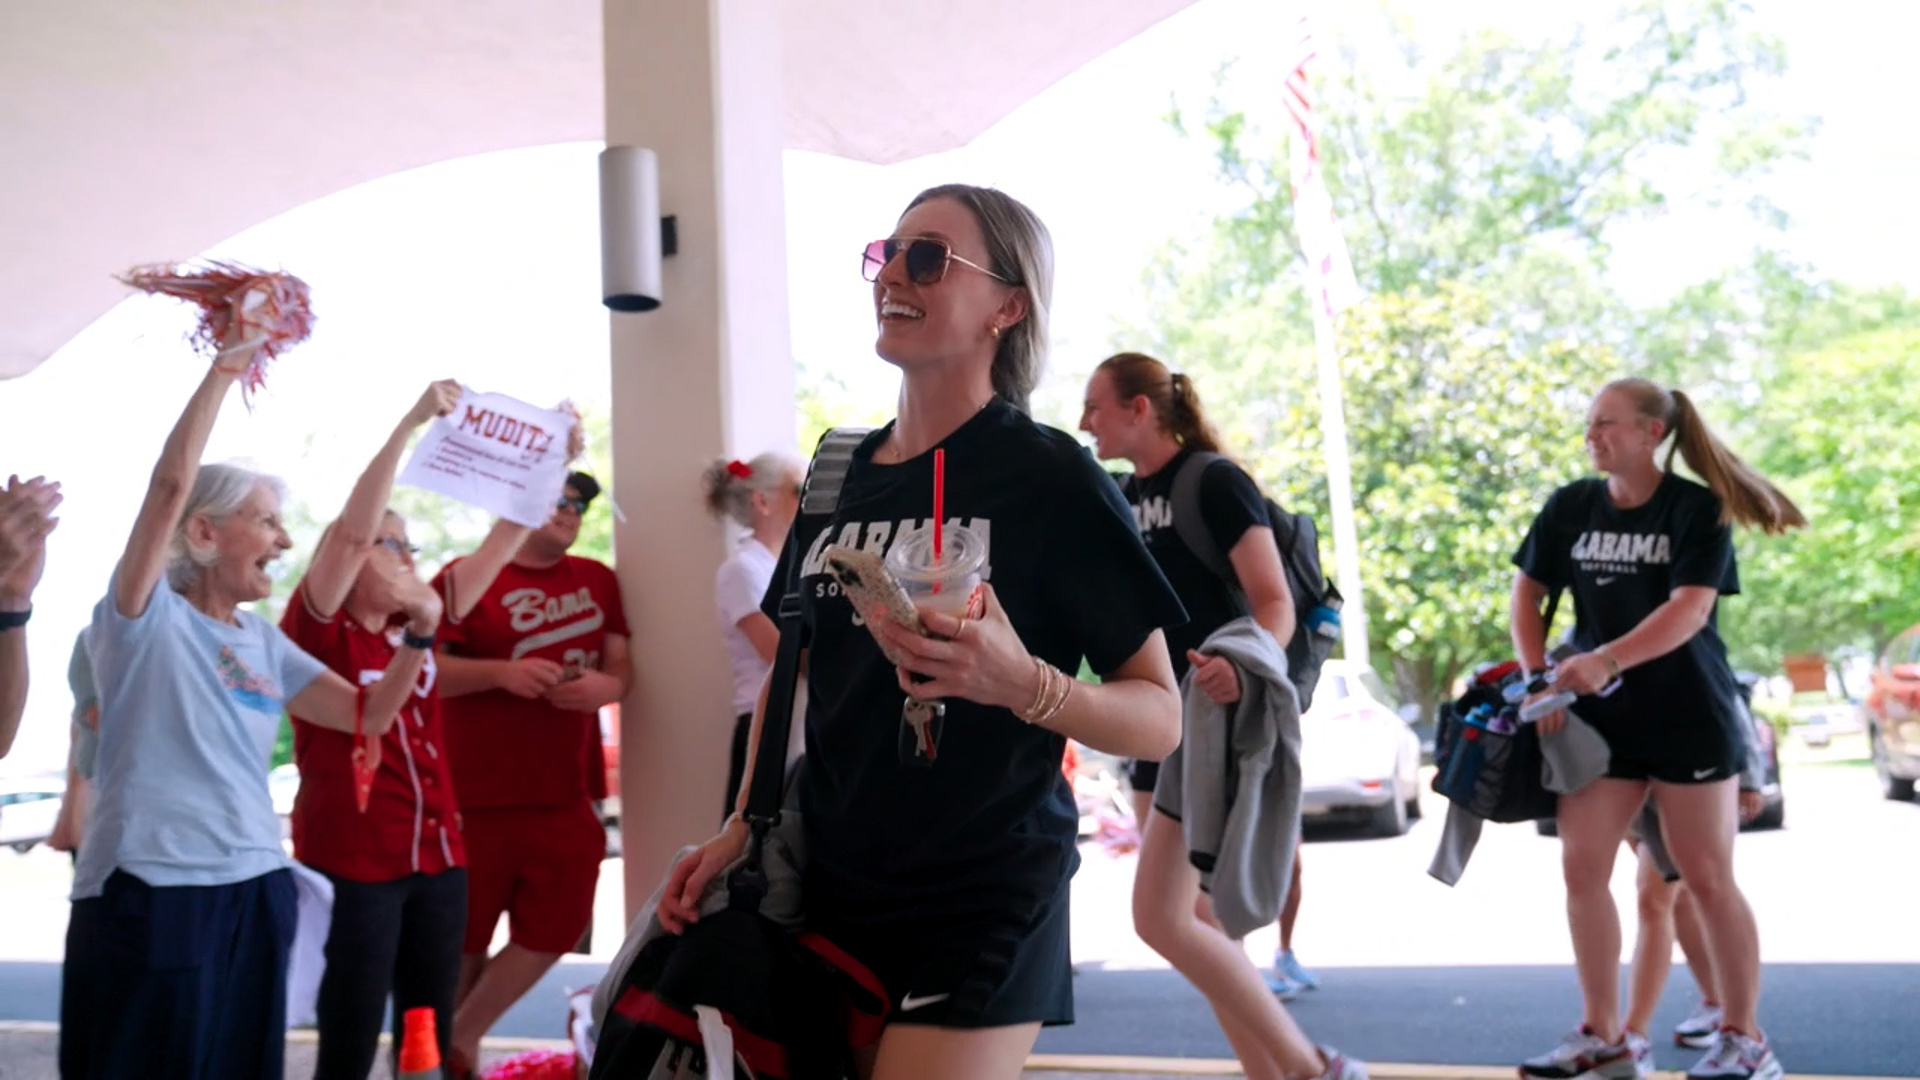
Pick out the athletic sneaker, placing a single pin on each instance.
(1701, 1030)
(1642, 1050)
(1286, 965)
(1738, 1056)
(1583, 1055)
(1283, 988)
(1342, 1067)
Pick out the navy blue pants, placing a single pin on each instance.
(178, 983)
(400, 937)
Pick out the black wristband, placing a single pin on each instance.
(14, 620)
(414, 641)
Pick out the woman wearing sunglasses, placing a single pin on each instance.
(948, 877)
(398, 866)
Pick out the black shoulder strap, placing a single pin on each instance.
(820, 496)
(1187, 519)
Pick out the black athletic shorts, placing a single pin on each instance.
(978, 971)
(1142, 775)
(1669, 772)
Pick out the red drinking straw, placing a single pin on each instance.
(939, 505)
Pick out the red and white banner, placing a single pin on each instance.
(1329, 269)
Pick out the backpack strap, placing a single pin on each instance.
(1191, 525)
(1187, 520)
(820, 496)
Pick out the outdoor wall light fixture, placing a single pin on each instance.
(633, 235)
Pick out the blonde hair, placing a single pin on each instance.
(1746, 497)
(1020, 251)
(1176, 404)
(730, 496)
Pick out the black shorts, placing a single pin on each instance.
(976, 971)
(1142, 775)
(1669, 772)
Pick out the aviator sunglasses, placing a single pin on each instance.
(927, 259)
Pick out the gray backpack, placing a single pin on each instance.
(1316, 602)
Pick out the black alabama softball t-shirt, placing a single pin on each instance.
(991, 825)
(1620, 565)
(1230, 504)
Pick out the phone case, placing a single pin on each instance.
(873, 591)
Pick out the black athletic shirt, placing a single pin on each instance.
(1622, 564)
(990, 826)
(1230, 504)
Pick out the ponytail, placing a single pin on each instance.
(1176, 405)
(1746, 497)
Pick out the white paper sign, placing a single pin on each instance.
(499, 454)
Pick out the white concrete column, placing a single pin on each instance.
(709, 373)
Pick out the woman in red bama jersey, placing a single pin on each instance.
(398, 869)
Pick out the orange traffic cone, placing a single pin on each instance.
(419, 1046)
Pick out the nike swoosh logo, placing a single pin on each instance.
(1702, 774)
(1605, 580)
(910, 1003)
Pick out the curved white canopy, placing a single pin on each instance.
(133, 132)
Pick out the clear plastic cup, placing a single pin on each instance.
(947, 584)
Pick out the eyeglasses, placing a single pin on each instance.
(568, 502)
(397, 546)
(927, 259)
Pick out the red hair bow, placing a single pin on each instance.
(739, 469)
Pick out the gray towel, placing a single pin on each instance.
(1571, 758)
(1234, 782)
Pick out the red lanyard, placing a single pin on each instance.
(363, 765)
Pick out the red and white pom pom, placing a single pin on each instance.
(274, 310)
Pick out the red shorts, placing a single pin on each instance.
(537, 866)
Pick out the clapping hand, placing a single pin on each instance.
(26, 519)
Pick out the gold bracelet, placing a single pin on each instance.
(1612, 663)
(1039, 694)
(1044, 703)
(1066, 682)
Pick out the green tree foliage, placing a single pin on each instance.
(1835, 428)
(1478, 186)
(1463, 431)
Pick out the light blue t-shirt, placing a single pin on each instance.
(189, 708)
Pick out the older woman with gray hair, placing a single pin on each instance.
(762, 497)
(183, 906)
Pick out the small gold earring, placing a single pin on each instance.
(994, 330)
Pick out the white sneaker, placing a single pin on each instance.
(1641, 1048)
(1701, 1030)
(1582, 1055)
(1341, 1067)
(1738, 1056)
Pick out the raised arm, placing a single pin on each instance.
(26, 517)
(145, 558)
(345, 544)
(331, 701)
(469, 579)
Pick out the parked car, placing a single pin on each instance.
(1773, 799)
(1892, 712)
(29, 806)
(1358, 757)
